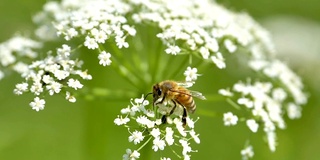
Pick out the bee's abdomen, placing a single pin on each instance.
(189, 103)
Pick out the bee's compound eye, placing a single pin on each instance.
(159, 92)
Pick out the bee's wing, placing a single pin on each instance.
(192, 93)
(185, 84)
(197, 95)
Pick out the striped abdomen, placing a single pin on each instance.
(184, 98)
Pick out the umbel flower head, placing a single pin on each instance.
(149, 128)
(200, 29)
(141, 39)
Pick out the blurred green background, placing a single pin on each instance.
(85, 130)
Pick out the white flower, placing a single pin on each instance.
(47, 79)
(230, 46)
(91, 43)
(241, 88)
(84, 74)
(130, 30)
(74, 84)
(143, 120)
(126, 110)
(294, 111)
(279, 94)
(190, 122)
(99, 35)
(269, 126)
(60, 74)
(159, 121)
(230, 119)
(120, 41)
(6, 56)
(191, 74)
(164, 158)
(169, 136)
(149, 113)
(174, 50)
(71, 32)
(195, 136)
(218, 60)
(186, 157)
(120, 121)
(179, 126)
(36, 88)
(37, 104)
(225, 92)
(265, 87)
(21, 68)
(271, 137)
(212, 44)
(185, 145)
(64, 51)
(247, 153)
(253, 125)
(204, 52)
(20, 88)
(158, 144)
(104, 58)
(70, 97)
(54, 87)
(131, 155)
(246, 102)
(155, 132)
(136, 137)
(257, 65)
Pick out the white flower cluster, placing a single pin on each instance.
(13, 50)
(52, 75)
(148, 127)
(270, 100)
(247, 153)
(97, 21)
(267, 103)
(202, 28)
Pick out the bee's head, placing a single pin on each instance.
(156, 93)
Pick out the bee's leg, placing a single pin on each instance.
(184, 116)
(164, 117)
(162, 100)
(173, 108)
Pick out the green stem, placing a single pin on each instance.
(142, 66)
(180, 68)
(125, 66)
(233, 104)
(104, 93)
(174, 152)
(165, 60)
(123, 71)
(144, 144)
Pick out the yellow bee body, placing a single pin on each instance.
(178, 94)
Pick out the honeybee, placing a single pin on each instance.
(178, 94)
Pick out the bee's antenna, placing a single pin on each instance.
(145, 97)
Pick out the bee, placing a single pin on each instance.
(178, 94)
